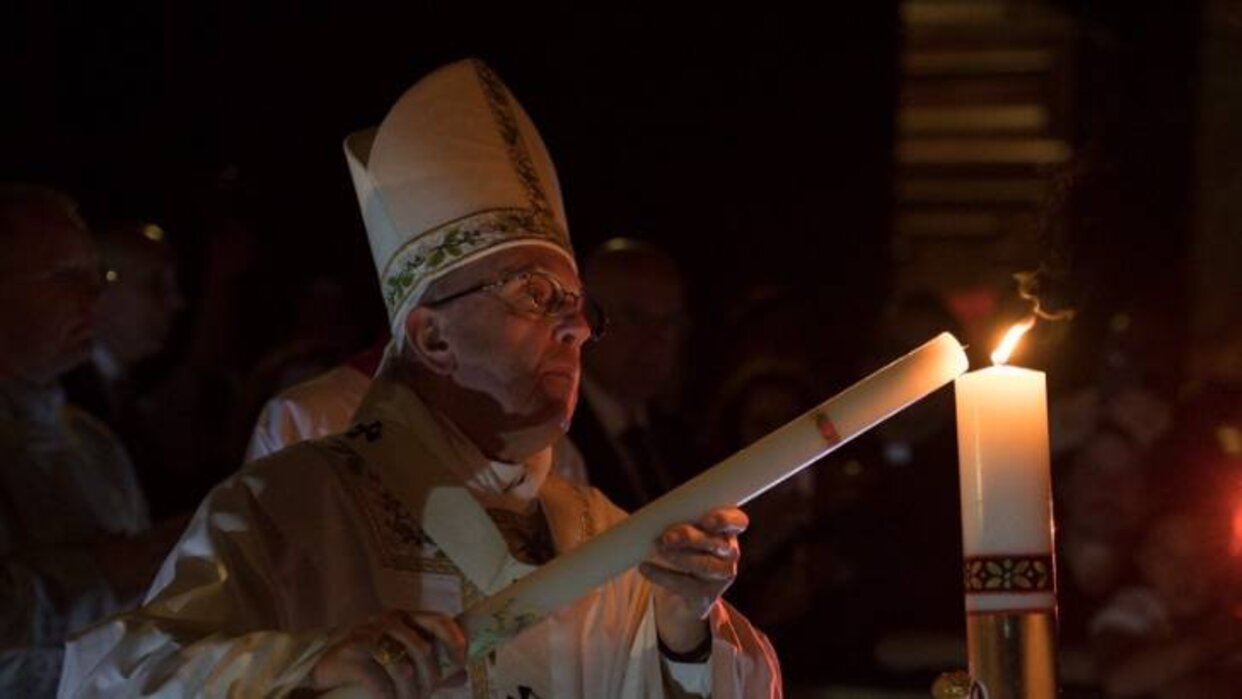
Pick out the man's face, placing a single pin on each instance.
(1106, 492)
(138, 306)
(646, 308)
(48, 289)
(1179, 561)
(522, 364)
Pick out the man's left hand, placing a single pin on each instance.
(692, 566)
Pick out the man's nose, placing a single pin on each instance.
(573, 328)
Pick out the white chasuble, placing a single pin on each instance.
(283, 558)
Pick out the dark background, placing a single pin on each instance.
(754, 143)
(757, 144)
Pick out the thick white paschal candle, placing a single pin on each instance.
(733, 481)
(1002, 434)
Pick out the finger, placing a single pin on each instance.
(445, 630)
(378, 680)
(723, 547)
(418, 668)
(698, 565)
(352, 664)
(679, 534)
(725, 520)
(686, 536)
(679, 583)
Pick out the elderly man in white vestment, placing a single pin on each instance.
(327, 568)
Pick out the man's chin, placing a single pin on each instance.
(560, 413)
(561, 393)
(520, 442)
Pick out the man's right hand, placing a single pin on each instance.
(392, 655)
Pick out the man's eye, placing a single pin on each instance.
(541, 291)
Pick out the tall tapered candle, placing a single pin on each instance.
(1002, 423)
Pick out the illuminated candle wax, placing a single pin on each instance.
(734, 481)
(1002, 433)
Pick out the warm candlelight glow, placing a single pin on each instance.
(1235, 543)
(1007, 345)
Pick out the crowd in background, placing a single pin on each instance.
(178, 362)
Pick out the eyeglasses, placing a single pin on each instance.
(539, 293)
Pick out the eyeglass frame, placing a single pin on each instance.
(587, 306)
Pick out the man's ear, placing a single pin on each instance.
(424, 331)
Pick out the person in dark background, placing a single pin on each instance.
(141, 298)
(134, 320)
(1175, 631)
(768, 379)
(634, 446)
(75, 536)
(780, 573)
(888, 519)
(316, 407)
(1104, 496)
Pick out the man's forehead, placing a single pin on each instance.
(519, 259)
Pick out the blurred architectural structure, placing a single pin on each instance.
(985, 116)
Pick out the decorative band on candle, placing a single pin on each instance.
(1007, 574)
(826, 428)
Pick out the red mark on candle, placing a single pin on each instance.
(826, 428)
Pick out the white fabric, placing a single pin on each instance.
(106, 363)
(300, 546)
(64, 481)
(325, 405)
(689, 679)
(315, 408)
(1133, 611)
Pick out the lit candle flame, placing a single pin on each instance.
(1007, 345)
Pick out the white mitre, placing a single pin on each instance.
(455, 172)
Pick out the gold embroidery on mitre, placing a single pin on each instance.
(446, 244)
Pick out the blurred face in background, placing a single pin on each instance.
(767, 406)
(1106, 492)
(49, 284)
(1181, 558)
(644, 298)
(141, 299)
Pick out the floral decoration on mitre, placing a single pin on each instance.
(457, 243)
(455, 172)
